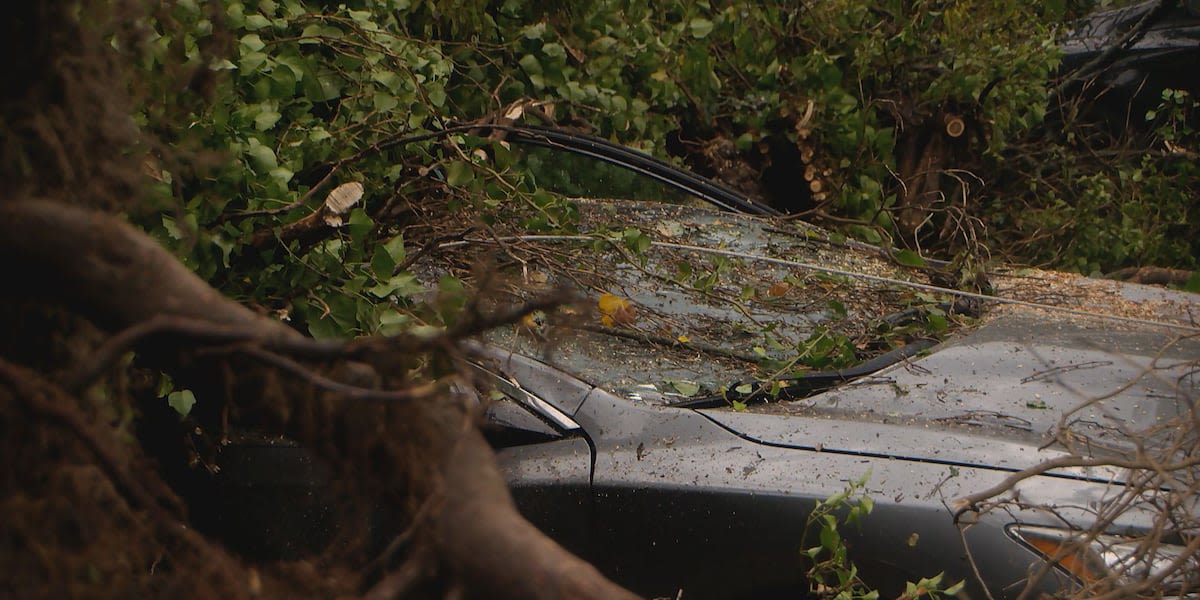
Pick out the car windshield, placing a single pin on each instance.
(680, 299)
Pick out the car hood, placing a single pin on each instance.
(1014, 392)
(681, 303)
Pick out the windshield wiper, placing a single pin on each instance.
(797, 388)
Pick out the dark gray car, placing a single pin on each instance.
(683, 447)
(723, 373)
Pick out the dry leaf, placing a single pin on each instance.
(778, 289)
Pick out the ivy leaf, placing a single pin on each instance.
(382, 265)
(395, 248)
(404, 284)
(700, 27)
(255, 22)
(266, 119)
(392, 322)
(182, 401)
(251, 43)
(359, 223)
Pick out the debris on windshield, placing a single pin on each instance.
(682, 293)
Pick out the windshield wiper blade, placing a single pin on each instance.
(796, 388)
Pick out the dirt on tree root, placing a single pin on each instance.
(88, 512)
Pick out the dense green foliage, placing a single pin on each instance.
(303, 88)
(1094, 205)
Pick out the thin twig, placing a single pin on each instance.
(971, 501)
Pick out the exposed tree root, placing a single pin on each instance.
(98, 266)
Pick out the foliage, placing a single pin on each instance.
(831, 572)
(1093, 206)
(306, 95)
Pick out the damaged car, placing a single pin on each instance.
(745, 406)
(729, 372)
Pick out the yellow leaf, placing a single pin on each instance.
(615, 310)
(610, 304)
(683, 339)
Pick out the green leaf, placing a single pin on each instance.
(837, 308)
(403, 284)
(266, 119)
(251, 43)
(393, 322)
(955, 589)
(459, 173)
(909, 258)
(318, 134)
(182, 401)
(262, 158)
(359, 223)
(436, 95)
(281, 174)
(937, 322)
(325, 328)
(395, 248)
(636, 241)
(830, 539)
(686, 388)
(700, 27)
(451, 297)
(252, 61)
(744, 388)
(256, 22)
(382, 264)
(165, 385)
(531, 65)
(226, 246)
